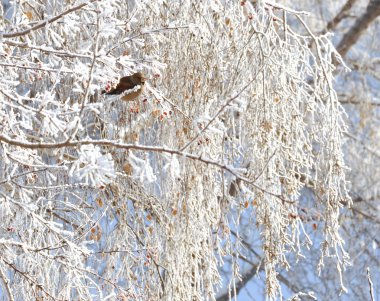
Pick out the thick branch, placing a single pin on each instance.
(343, 13)
(361, 24)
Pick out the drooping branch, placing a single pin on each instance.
(241, 284)
(255, 268)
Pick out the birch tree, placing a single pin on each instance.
(353, 27)
(144, 200)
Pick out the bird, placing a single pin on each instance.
(130, 87)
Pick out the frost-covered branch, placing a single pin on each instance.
(6, 283)
(102, 198)
(47, 21)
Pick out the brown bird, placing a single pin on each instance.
(128, 87)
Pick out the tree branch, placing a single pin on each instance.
(47, 21)
(157, 149)
(343, 13)
(361, 24)
(370, 285)
(6, 284)
(30, 280)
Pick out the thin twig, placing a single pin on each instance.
(22, 174)
(370, 285)
(6, 284)
(146, 32)
(32, 282)
(222, 108)
(47, 49)
(90, 77)
(153, 260)
(372, 151)
(35, 68)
